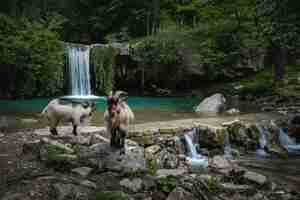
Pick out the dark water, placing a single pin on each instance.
(285, 172)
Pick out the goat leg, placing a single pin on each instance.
(75, 130)
(53, 131)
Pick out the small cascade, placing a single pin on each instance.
(263, 142)
(227, 147)
(288, 143)
(194, 158)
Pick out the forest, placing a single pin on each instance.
(194, 43)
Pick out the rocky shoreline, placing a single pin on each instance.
(154, 167)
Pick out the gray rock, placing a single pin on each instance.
(219, 162)
(96, 138)
(133, 185)
(233, 111)
(235, 188)
(255, 177)
(88, 184)
(158, 195)
(28, 121)
(110, 159)
(12, 196)
(151, 151)
(180, 194)
(167, 159)
(31, 147)
(148, 183)
(161, 173)
(1, 135)
(82, 171)
(213, 104)
(81, 140)
(62, 191)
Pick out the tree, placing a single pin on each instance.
(281, 28)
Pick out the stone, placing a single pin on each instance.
(231, 123)
(167, 158)
(149, 183)
(12, 196)
(140, 196)
(220, 164)
(158, 195)
(213, 104)
(111, 159)
(1, 135)
(82, 171)
(88, 184)
(179, 147)
(82, 140)
(96, 138)
(62, 191)
(31, 147)
(151, 151)
(133, 185)
(28, 121)
(162, 173)
(233, 111)
(180, 194)
(234, 188)
(255, 177)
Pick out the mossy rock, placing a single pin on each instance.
(111, 195)
(57, 157)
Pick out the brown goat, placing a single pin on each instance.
(117, 117)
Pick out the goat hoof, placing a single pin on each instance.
(53, 132)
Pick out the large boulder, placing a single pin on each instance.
(110, 159)
(212, 105)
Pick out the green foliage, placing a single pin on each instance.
(103, 61)
(212, 185)
(167, 184)
(260, 84)
(34, 52)
(152, 167)
(114, 195)
(54, 160)
(158, 57)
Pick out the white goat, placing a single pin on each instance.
(55, 112)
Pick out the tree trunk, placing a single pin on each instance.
(156, 11)
(143, 79)
(280, 60)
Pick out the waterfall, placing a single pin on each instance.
(79, 69)
(263, 141)
(79, 73)
(194, 158)
(227, 147)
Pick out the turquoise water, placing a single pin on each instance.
(25, 113)
(136, 103)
